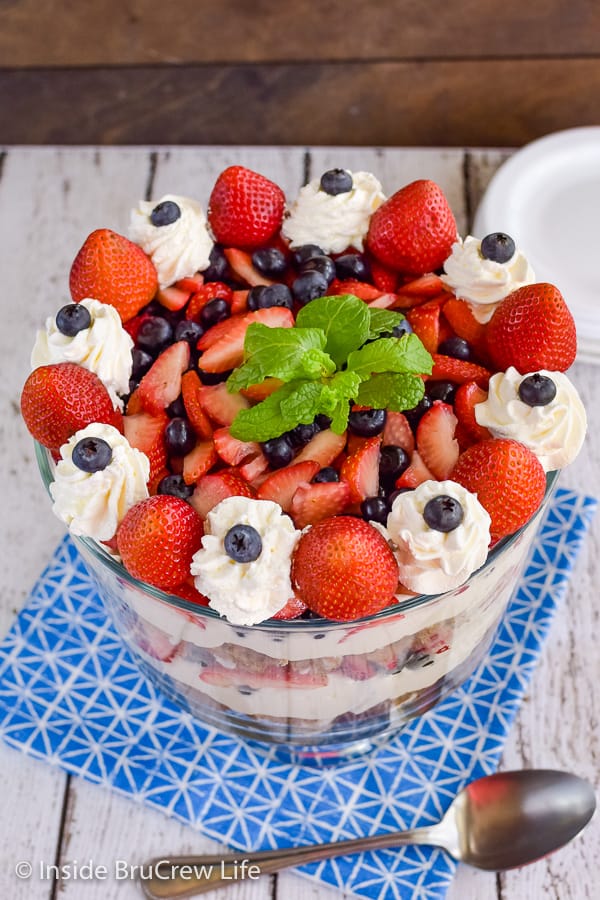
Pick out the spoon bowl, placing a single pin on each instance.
(497, 822)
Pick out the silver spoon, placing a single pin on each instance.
(497, 822)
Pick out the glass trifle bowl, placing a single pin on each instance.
(316, 689)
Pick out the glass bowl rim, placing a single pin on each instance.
(43, 458)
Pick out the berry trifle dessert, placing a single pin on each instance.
(302, 445)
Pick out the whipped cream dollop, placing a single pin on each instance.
(104, 348)
(246, 592)
(333, 223)
(179, 249)
(482, 282)
(554, 432)
(431, 561)
(93, 504)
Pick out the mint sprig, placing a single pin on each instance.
(327, 363)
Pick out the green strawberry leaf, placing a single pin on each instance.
(391, 391)
(344, 320)
(405, 354)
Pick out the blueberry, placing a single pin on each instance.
(213, 377)
(278, 451)
(217, 269)
(176, 486)
(326, 474)
(441, 390)
(415, 414)
(176, 409)
(537, 390)
(188, 330)
(269, 261)
(154, 334)
(242, 543)
(456, 347)
(403, 327)
(322, 422)
(214, 311)
(443, 513)
(352, 265)
(393, 460)
(72, 319)
(395, 494)
(301, 435)
(306, 252)
(91, 454)
(336, 181)
(367, 422)
(141, 362)
(374, 509)
(165, 213)
(323, 264)
(263, 296)
(309, 285)
(179, 437)
(498, 247)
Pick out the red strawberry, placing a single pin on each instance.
(252, 470)
(231, 450)
(239, 302)
(413, 231)
(258, 392)
(463, 322)
(532, 329)
(242, 265)
(188, 592)
(157, 539)
(245, 209)
(415, 474)
(147, 433)
(466, 399)
(60, 399)
(219, 404)
(426, 287)
(383, 278)
(448, 368)
(312, 503)
(292, 609)
(113, 269)
(217, 486)
(199, 461)
(162, 382)
(397, 432)
(190, 283)
(425, 322)
(191, 386)
(282, 484)
(359, 289)
(361, 470)
(324, 447)
(223, 344)
(203, 295)
(343, 569)
(172, 297)
(508, 479)
(437, 446)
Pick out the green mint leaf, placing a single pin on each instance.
(265, 420)
(405, 354)
(391, 391)
(332, 398)
(344, 320)
(382, 321)
(285, 353)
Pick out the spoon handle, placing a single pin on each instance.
(187, 876)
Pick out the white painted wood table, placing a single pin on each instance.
(50, 199)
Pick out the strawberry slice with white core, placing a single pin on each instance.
(282, 484)
(162, 383)
(233, 451)
(312, 503)
(436, 443)
(397, 432)
(361, 470)
(198, 461)
(227, 350)
(216, 486)
(173, 298)
(323, 448)
(416, 473)
(241, 263)
(219, 404)
(147, 433)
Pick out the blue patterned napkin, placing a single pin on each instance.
(70, 694)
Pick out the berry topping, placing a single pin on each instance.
(92, 454)
(537, 390)
(443, 513)
(72, 319)
(336, 181)
(165, 213)
(498, 247)
(242, 543)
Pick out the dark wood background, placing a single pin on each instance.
(407, 72)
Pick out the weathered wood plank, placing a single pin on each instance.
(146, 32)
(413, 103)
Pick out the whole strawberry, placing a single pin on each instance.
(413, 231)
(157, 539)
(114, 270)
(532, 329)
(60, 399)
(343, 569)
(245, 209)
(508, 479)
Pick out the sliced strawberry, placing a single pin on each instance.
(359, 289)
(447, 368)
(239, 302)
(258, 392)
(463, 322)
(219, 404)
(427, 287)
(191, 283)
(397, 432)
(203, 295)
(436, 443)
(253, 468)
(415, 474)
(282, 484)
(162, 383)
(199, 461)
(241, 264)
(223, 344)
(211, 489)
(270, 676)
(292, 609)
(231, 450)
(172, 297)
(361, 470)
(312, 503)
(191, 386)
(384, 301)
(425, 322)
(467, 397)
(133, 325)
(147, 433)
(324, 447)
(384, 278)
(134, 403)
